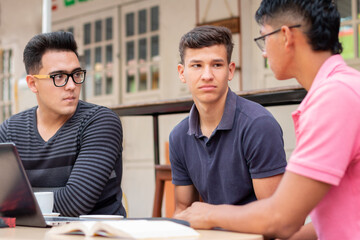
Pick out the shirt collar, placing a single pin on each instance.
(326, 70)
(227, 119)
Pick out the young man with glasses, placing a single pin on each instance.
(323, 173)
(67, 146)
(229, 150)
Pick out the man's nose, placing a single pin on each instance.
(207, 74)
(70, 83)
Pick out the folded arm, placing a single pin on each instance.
(100, 148)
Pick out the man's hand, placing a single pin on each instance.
(197, 215)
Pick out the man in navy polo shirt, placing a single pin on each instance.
(228, 150)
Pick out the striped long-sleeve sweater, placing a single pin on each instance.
(81, 163)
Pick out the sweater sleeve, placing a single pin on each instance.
(99, 159)
(3, 131)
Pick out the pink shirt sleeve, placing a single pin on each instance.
(326, 129)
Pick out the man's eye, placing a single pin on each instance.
(217, 65)
(196, 65)
(77, 74)
(59, 76)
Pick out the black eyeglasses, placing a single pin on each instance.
(260, 41)
(61, 79)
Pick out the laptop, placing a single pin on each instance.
(18, 200)
(16, 196)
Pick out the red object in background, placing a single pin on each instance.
(11, 222)
(54, 5)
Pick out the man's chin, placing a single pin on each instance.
(282, 77)
(69, 109)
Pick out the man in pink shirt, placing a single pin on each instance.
(300, 40)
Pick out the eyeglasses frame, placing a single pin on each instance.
(262, 48)
(52, 76)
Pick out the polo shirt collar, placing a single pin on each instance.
(327, 69)
(227, 119)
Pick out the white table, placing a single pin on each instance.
(31, 233)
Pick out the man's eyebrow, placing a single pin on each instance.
(195, 61)
(219, 60)
(63, 71)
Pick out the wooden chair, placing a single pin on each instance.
(163, 174)
(163, 186)
(125, 203)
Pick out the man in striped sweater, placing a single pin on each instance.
(67, 146)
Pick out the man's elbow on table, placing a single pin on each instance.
(278, 226)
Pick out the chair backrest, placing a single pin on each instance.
(125, 204)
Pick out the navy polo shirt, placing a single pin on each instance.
(247, 144)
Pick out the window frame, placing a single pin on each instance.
(6, 80)
(88, 88)
(135, 65)
(354, 22)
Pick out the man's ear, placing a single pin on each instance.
(288, 36)
(30, 80)
(180, 69)
(231, 70)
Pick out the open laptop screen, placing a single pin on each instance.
(16, 196)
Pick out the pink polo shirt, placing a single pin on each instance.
(327, 126)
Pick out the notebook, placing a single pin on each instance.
(16, 196)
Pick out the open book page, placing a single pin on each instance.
(88, 228)
(136, 229)
(76, 228)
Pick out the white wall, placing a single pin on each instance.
(138, 181)
(283, 115)
(19, 21)
(176, 20)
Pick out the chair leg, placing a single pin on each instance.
(159, 193)
(162, 174)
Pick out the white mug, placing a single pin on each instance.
(45, 201)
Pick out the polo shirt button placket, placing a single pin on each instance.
(209, 150)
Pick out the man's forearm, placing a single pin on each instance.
(179, 209)
(306, 232)
(254, 218)
(280, 215)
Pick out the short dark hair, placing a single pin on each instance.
(206, 36)
(320, 20)
(39, 44)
